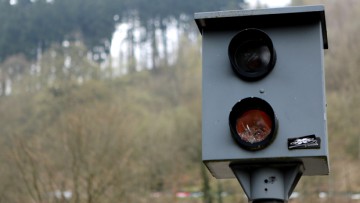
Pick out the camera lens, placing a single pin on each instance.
(251, 54)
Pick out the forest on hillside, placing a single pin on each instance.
(74, 131)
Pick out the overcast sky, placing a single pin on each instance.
(270, 3)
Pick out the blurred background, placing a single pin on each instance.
(100, 101)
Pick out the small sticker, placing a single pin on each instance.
(305, 142)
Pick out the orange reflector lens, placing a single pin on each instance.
(253, 126)
(252, 123)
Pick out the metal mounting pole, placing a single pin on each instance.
(268, 183)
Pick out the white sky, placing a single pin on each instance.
(270, 3)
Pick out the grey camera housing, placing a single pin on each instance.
(295, 88)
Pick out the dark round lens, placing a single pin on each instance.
(251, 54)
(253, 57)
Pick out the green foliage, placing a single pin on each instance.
(96, 136)
(29, 26)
